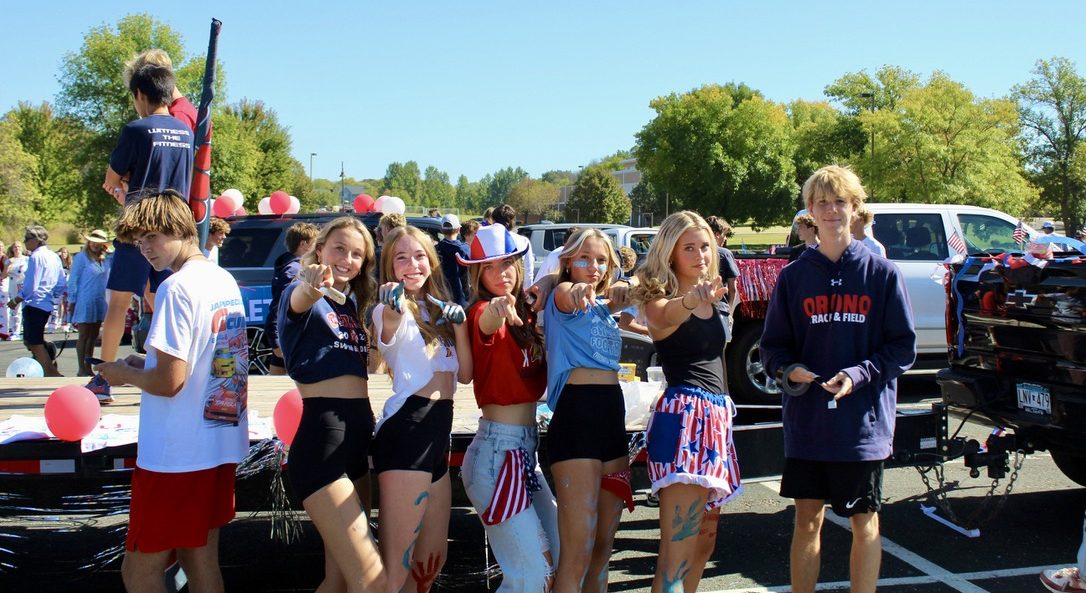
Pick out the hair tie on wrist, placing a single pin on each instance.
(682, 302)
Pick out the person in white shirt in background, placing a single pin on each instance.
(860, 227)
(217, 230)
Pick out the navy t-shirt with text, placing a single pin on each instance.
(155, 152)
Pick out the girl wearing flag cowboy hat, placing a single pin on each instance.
(420, 332)
(500, 472)
(87, 295)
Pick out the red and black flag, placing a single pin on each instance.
(200, 190)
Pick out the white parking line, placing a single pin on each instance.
(889, 582)
(931, 570)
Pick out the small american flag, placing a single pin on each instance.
(513, 492)
(957, 243)
(1019, 235)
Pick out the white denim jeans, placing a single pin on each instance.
(519, 542)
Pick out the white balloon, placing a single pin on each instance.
(390, 205)
(295, 206)
(264, 207)
(25, 367)
(239, 198)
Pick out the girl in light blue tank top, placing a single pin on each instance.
(586, 439)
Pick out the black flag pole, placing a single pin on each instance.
(200, 190)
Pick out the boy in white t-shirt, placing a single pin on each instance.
(194, 381)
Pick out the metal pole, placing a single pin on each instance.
(311, 155)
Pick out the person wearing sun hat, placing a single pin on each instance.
(87, 297)
(510, 377)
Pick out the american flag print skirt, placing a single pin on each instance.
(690, 442)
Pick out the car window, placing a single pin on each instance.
(250, 247)
(984, 233)
(911, 236)
(555, 238)
(640, 243)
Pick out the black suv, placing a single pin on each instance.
(249, 253)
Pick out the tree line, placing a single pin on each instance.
(720, 149)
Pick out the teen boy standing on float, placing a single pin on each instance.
(839, 320)
(193, 423)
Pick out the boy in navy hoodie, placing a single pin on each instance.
(839, 324)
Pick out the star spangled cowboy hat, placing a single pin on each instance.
(491, 243)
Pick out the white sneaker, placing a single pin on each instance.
(1063, 579)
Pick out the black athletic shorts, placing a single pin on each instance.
(851, 487)
(590, 423)
(416, 438)
(34, 321)
(332, 442)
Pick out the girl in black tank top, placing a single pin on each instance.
(691, 461)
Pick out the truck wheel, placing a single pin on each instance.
(747, 378)
(1072, 466)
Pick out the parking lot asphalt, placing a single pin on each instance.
(1036, 526)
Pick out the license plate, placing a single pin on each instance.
(1034, 398)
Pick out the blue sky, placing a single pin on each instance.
(472, 87)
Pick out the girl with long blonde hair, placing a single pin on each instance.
(586, 439)
(691, 457)
(326, 351)
(421, 335)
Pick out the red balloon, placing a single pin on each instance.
(287, 415)
(240, 211)
(71, 412)
(363, 203)
(279, 201)
(222, 208)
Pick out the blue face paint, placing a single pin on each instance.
(602, 268)
(581, 263)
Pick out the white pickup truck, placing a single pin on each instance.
(917, 238)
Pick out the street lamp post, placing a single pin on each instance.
(311, 155)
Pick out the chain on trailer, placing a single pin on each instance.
(994, 456)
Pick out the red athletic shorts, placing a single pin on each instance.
(171, 511)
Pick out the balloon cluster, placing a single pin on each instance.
(390, 205)
(279, 202)
(230, 203)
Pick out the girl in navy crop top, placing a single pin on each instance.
(325, 348)
(586, 439)
(689, 430)
(420, 332)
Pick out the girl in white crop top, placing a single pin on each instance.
(420, 333)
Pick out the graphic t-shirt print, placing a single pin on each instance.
(227, 390)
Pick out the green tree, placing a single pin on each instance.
(1052, 112)
(598, 197)
(559, 177)
(533, 197)
(942, 145)
(500, 184)
(403, 180)
(888, 85)
(263, 161)
(470, 195)
(708, 152)
(18, 188)
(645, 200)
(436, 191)
(53, 142)
(823, 136)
